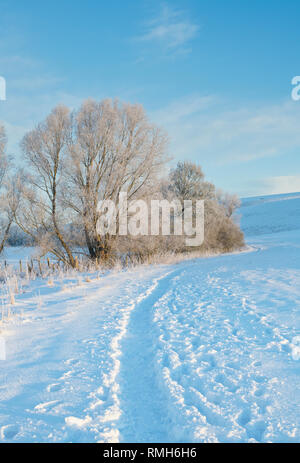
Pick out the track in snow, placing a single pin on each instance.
(144, 413)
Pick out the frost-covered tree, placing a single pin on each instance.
(230, 202)
(3, 157)
(114, 149)
(42, 214)
(6, 214)
(76, 160)
(187, 182)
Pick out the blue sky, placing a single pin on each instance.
(215, 74)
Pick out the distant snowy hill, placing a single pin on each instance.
(270, 214)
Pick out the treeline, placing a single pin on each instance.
(75, 159)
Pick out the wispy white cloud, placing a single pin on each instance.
(20, 114)
(10, 62)
(31, 93)
(183, 109)
(274, 185)
(171, 29)
(34, 82)
(31, 88)
(206, 128)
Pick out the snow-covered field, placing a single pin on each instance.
(201, 351)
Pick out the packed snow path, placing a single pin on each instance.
(143, 401)
(201, 351)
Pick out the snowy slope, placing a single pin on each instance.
(205, 350)
(270, 214)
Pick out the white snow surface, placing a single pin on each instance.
(207, 350)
